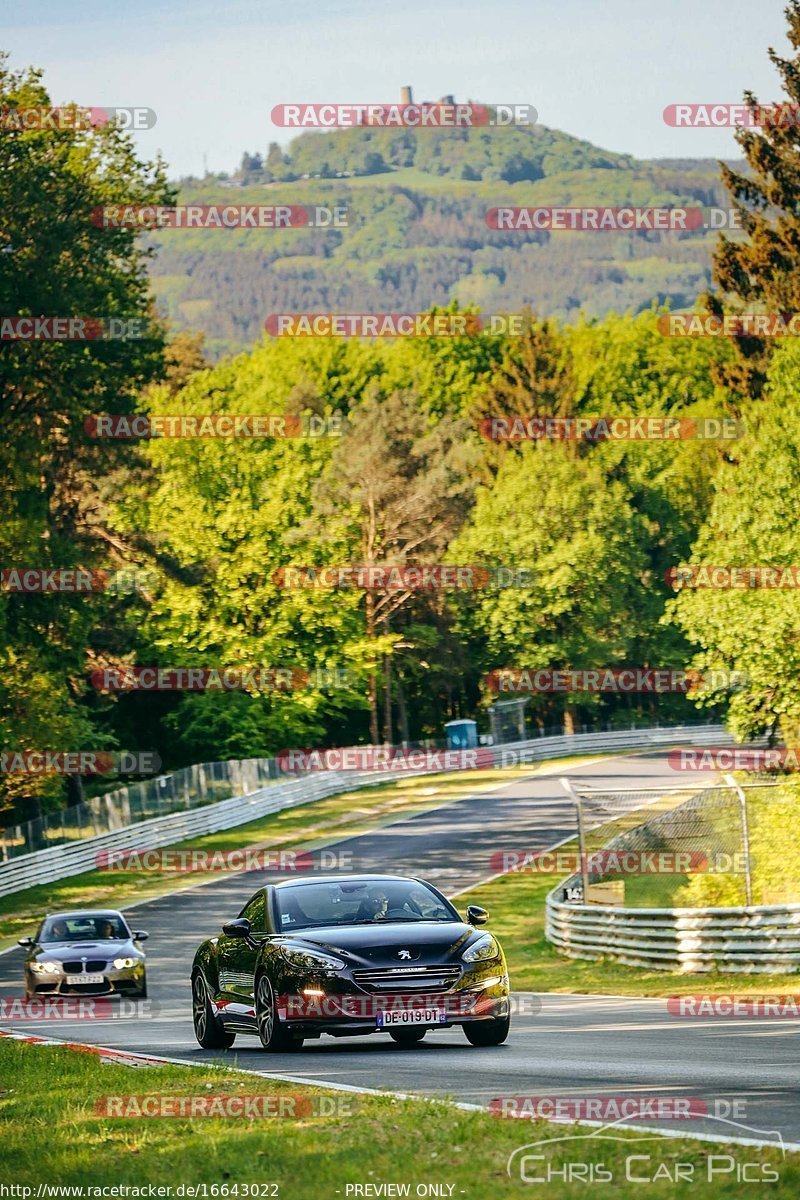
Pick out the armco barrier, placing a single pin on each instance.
(60, 862)
(762, 938)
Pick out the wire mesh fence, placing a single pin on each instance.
(190, 787)
(649, 848)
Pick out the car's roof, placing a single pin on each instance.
(84, 912)
(287, 883)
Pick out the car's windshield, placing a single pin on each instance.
(83, 927)
(359, 902)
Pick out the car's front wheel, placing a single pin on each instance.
(488, 1033)
(272, 1033)
(210, 1034)
(407, 1037)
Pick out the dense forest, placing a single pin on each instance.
(388, 462)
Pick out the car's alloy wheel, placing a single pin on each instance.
(210, 1034)
(488, 1033)
(407, 1037)
(272, 1034)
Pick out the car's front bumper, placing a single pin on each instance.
(126, 981)
(332, 1010)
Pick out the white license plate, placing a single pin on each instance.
(415, 1016)
(72, 979)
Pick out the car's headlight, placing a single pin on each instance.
(311, 960)
(485, 947)
(122, 963)
(45, 968)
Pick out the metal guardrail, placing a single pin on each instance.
(749, 939)
(61, 862)
(188, 787)
(754, 940)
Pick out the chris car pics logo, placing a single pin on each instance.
(609, 1155)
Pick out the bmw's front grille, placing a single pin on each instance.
(78, 968)
(406, 979)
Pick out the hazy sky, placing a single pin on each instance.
(600, 69)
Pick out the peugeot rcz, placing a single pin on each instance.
(348, 956)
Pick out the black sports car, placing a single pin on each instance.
(348, 956)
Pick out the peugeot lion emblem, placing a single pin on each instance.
(404, 954)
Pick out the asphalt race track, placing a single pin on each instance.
(575, 1046)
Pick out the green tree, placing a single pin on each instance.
(560, 518)
(754, 632)
(54, 262)
(761, 270)
(395, 492)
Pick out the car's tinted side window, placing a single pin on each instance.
(255, 911)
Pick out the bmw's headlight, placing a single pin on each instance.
(485, 947)
(311, 960)
(122, 963)
(45, 968)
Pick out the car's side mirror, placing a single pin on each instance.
(27, 942)
(141, 935)
(476, 915)
(240, 928)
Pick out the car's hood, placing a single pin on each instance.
(379, 941)
(107, 948)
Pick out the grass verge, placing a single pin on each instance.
(51, 1134)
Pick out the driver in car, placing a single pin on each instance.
(374, 906)
(106, 930)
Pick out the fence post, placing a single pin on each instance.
(748, 881)
(567, 785)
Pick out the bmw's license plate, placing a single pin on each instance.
(413, 1016)
(75, 979)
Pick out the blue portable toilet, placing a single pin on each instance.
(461, 735)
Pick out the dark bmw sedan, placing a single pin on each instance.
(348, 956)
(85, 953)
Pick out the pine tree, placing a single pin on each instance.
(763, 269)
